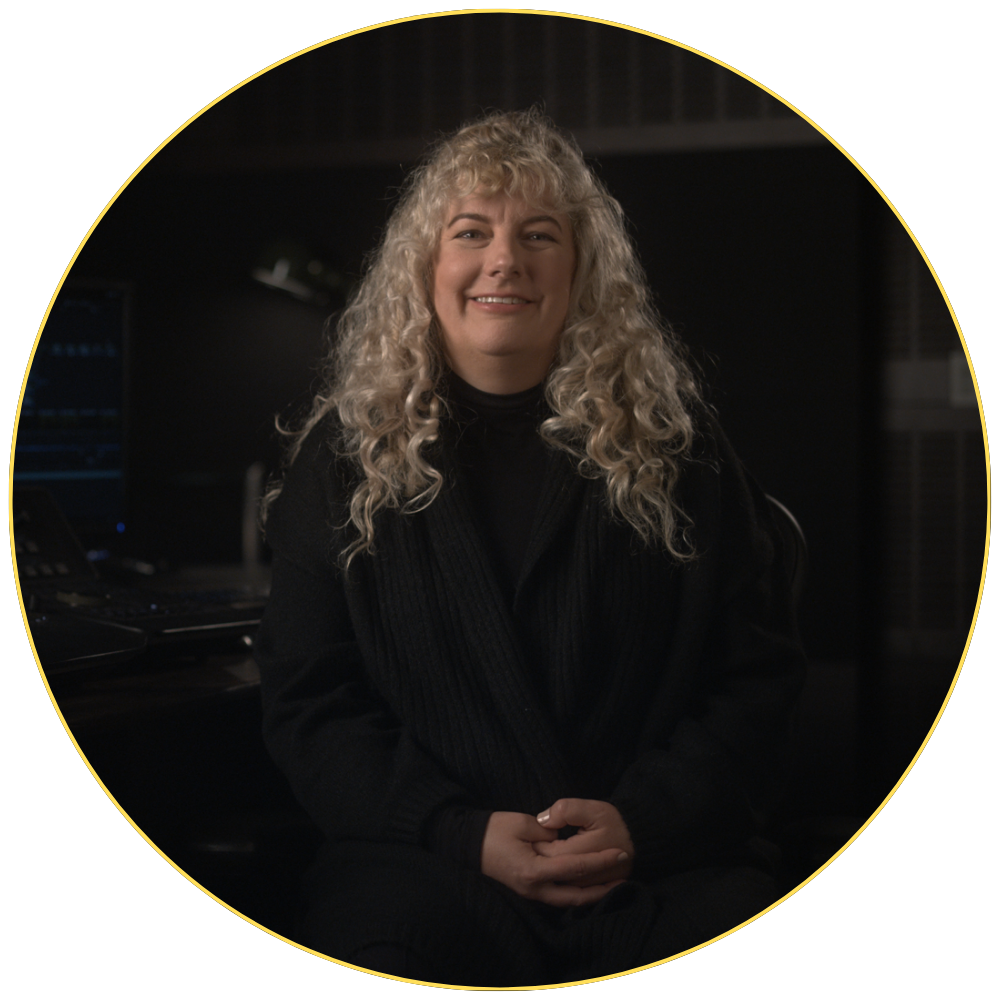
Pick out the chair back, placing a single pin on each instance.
(795, 552)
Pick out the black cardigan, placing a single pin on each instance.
(407, 683)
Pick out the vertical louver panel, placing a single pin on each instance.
(934, 470)
(411, 80)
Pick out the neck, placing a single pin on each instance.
(501, 376)
(513, 403)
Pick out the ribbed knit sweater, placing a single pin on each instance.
(411, 682)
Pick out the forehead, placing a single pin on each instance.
(500, 207)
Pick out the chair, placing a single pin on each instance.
(795, 551)
(807, 835)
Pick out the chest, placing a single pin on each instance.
(589, 621)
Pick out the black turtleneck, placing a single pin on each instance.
(502, 460)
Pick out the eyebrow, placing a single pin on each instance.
(475, 217)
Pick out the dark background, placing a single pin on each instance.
(186, 242)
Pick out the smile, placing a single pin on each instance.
(504, 300)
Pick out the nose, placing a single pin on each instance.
(505, 257)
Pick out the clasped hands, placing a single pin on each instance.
(525, 853)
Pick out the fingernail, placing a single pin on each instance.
(543, 818)
(623, 856)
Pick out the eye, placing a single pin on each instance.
(469, 234)
(540, 237)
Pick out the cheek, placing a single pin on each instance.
(566, 283)
(439, 287)
(447, 280)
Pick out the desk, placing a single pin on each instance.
(147, 688)
(176, 742)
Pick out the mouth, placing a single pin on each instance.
(500, 300)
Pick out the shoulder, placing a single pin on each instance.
(713, 457)
(727, 507)
(303, 520)
(710, 460)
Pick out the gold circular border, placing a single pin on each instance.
(639, 31)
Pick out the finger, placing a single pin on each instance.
(552, 817)
(580, 843)
(523, 827)
(577, 867)
(622, 869)
(570, 812)
(535, 834)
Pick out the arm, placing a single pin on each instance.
(351, 763)
(706, 737)
(700, 787)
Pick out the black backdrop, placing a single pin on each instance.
(909, 114)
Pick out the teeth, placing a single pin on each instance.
(507, 300)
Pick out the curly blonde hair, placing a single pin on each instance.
(619, 389)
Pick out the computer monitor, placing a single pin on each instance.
(71, 434)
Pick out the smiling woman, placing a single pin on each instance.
(529, 654)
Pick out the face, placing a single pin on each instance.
(502, 277)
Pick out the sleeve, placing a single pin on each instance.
(354, 767)
(702, 786)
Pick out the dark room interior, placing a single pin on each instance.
(819, 333)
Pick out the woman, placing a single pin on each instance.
(529, 654)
